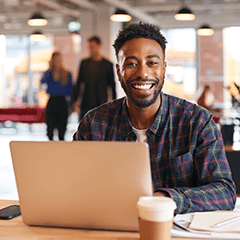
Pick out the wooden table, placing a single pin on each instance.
(15, 229)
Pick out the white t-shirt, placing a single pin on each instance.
(141, 135)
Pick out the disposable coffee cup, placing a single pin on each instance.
(155, 217)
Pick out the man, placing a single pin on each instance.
(187, 155)
(96, 73)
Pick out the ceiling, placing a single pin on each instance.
(15, 13)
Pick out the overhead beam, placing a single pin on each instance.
(196, 7)
(141, 15)
(24, 14)
(26, 31)
(58, 7)
(215, 21)
(84, 4)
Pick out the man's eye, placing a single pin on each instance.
(152, 63)
(131, 64)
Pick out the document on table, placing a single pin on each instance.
(206, 220)
(200, 225)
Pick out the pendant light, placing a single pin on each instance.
(184, 14)
(121, 16)
(37, 19)
(37, 36)
(205, 30)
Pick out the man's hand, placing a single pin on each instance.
(75, 107)
(161, 194)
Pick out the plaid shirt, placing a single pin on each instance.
(187, 153)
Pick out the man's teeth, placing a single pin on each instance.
(145, 86)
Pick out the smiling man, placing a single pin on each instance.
(188, 160)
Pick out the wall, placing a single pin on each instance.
(210, 63)
(65, 44)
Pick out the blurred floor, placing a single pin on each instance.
(8, 189)
(23, 132)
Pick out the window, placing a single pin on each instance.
(181, 62)
(17, 79)
(231, 39)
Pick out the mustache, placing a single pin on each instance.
(146, 79)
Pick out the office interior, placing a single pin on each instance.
(192, 60)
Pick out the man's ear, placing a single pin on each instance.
(118, 71)
(164, 67)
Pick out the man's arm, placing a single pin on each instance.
(69, 90)
(46, 77)
(77, 87)
(215, 189)
(161, 194)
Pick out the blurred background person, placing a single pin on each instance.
(206, 99)
(96, 76)
(60, 88)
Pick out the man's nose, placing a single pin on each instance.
(142, 71)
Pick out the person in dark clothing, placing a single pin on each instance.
(97, 76)
(60, 88)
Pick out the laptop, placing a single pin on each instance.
(85, 184)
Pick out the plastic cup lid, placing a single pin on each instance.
(156, 203)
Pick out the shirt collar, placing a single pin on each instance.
(126, 123)
(157, 126)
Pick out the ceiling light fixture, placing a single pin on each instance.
(74, 26)
(121, 16)
(184, 14)
(37, 36)
(37, 19)
(205, 30)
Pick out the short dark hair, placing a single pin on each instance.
(140, 30)
(95, 39)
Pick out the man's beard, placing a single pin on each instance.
(144, 103)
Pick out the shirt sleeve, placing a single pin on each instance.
(215, 188)
(70, 89)
(77, 85)
(45, 77)
(84, 131)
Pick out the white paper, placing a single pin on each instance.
(177, 233)
(206, 220)
(186, 219)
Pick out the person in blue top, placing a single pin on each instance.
(60, 88)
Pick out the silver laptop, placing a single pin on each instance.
(88, 184)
